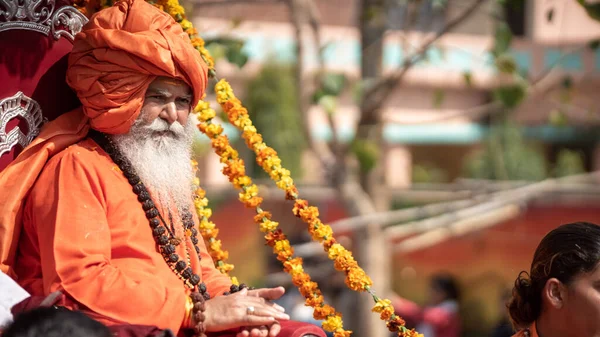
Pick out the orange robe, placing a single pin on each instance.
(86, 233)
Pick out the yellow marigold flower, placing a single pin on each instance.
(381, 304)
(207, 114)
(202, 105)
(332, 323)
(322, 232)
(268, 226)
(272, 162)
(186, 24)
(240, 182)
(213, 130)
(215, 245)
(281, 246)
(201, 202)
(206, 212)
(235, 281)
(206, 225)
(335, 250)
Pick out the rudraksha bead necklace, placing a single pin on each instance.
(165, 240)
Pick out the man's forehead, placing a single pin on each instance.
(162, 84)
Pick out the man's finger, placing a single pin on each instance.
(274, 329)
(268, 293)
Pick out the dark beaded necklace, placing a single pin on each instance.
(164, 237)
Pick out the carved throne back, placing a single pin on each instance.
(36, 37)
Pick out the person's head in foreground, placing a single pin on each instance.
(561, 294)
(55, 322)
(443, 287)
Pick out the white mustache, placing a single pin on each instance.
(160, 125)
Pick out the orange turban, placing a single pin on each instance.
(114, 59)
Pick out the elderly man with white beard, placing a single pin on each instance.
(98, 206)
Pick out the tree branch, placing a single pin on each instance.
(298, 12)
(378, 93)
(497, 200)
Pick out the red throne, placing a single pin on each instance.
(35, 40)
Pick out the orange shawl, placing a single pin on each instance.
(114, 59)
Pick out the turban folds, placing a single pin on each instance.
(114, 59)
(117, 55)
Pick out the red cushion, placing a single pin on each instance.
(36, 65)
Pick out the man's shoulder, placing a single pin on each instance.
(85, 153)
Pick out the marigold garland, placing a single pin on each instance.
(208, 229)
(235, 170)
(266, 157)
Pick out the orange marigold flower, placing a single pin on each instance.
(293, 266)
(321, 312)
(314, 301)
(357, 279)
(258, 218)
(291, 193)
(386, 313)
(299, 279)
(342, 333)
(274, 236)
(308, 288)
(254, 202)
(264, 154)
(344, 261)
(220, 141)
(395, 324)
(299, 205)
(327, 244)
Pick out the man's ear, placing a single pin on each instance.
(554, 293)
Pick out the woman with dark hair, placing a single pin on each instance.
(440, 317)
(560, 296)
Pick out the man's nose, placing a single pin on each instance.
(169, 112)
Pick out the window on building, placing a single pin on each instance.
(426, 16)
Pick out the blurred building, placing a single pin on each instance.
(422, 129)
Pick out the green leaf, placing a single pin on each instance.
(438, 98)
(333, 84)
(236, 56)
(217, 50)
(567, 82)
(367, 153)
(511, 95)
(329, 103)
(502, 39)
(592, 9)
(506, 63)
(558, 118)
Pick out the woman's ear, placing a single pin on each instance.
(554, 293)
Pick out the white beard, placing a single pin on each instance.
(160, 154)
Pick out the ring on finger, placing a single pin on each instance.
(250, 310)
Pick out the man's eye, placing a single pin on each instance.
(184, 100)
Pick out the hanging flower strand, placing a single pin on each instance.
(208, 229)
(266, 157)
(234, 169)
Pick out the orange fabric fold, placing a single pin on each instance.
(114, 59)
